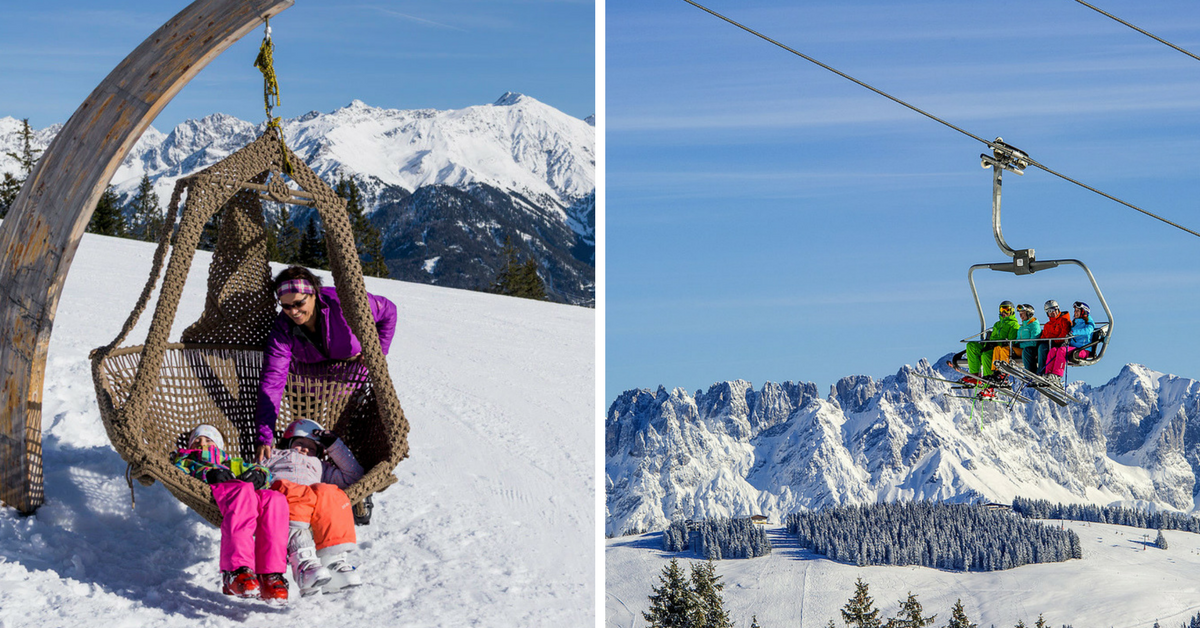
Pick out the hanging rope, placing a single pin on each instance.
(992, 145)
(265, 62)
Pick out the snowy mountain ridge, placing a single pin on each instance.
(447, 189)
(517, 144)
(736, 451)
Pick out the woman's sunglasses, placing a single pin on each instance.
(293, 305)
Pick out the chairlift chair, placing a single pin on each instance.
(1006, 157)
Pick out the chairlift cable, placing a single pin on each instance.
(990, 144)
(1144, 32)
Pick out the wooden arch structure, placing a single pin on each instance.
(41, 233)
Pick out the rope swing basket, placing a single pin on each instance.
(152, 395)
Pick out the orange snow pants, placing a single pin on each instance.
(324, 507)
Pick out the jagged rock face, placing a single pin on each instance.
(736, 451)
(445, 187)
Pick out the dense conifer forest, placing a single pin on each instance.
(1043, 509)
(960, 537)
(718, 538)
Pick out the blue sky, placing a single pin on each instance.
(769, 220)
(387, 53)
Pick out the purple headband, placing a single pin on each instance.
(298, 286)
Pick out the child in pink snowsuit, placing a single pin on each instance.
(321, 519)
(254, 528)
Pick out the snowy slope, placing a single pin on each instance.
(736, 451)
(490, 524)
(1119, 582)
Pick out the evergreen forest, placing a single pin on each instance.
(718, 538)
(959, 537)
(1132, 517)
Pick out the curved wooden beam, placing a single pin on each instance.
(46, 221)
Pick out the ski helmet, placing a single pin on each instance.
(1025, 307)
(301, 428)
(1083, 306)
(1006, 308)
(211, 432)
(1051, 305)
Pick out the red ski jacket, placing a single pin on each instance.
(1057, 327)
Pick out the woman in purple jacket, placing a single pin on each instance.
(311, 328)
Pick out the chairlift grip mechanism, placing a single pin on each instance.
(1006, 157)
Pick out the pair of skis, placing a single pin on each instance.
(981, 391)
(986, 391)
(1052, 389)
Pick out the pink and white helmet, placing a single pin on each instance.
(301, 428)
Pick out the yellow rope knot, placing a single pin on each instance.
(265, 62)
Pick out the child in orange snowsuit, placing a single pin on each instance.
(321, 520)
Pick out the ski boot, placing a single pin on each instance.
(343, 573)
(272, 587)
(240, 582)
(308, 572)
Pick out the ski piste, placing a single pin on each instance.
(1051, 389)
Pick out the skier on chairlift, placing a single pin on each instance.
(981, 355)
(1082, 327)
(1052, 351)
(1028, 333)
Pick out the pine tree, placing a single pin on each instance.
(709, 607)
(287, 237)
(312, 247)
(754, 621)
(27, 158)
(860, 611)
(146, 217)
(516, 278)
(1161, 541)
(958, 617)
(1041, 622)
(910, 615)
(367, 239)
(107, 219)
(9, 186)
(210, 232)
(672, 604)
(1020, 623)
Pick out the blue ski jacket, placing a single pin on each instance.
(1081, 331)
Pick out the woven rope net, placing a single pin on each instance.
(152, 395)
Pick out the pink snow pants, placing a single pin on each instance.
(254, 532)
(1056, 360)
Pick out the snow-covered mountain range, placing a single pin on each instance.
(737, 451)
(445, 187)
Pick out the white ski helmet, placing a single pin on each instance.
(211, 432)
(1051, 305)
(301, 428)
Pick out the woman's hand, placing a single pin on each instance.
(264, 452)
